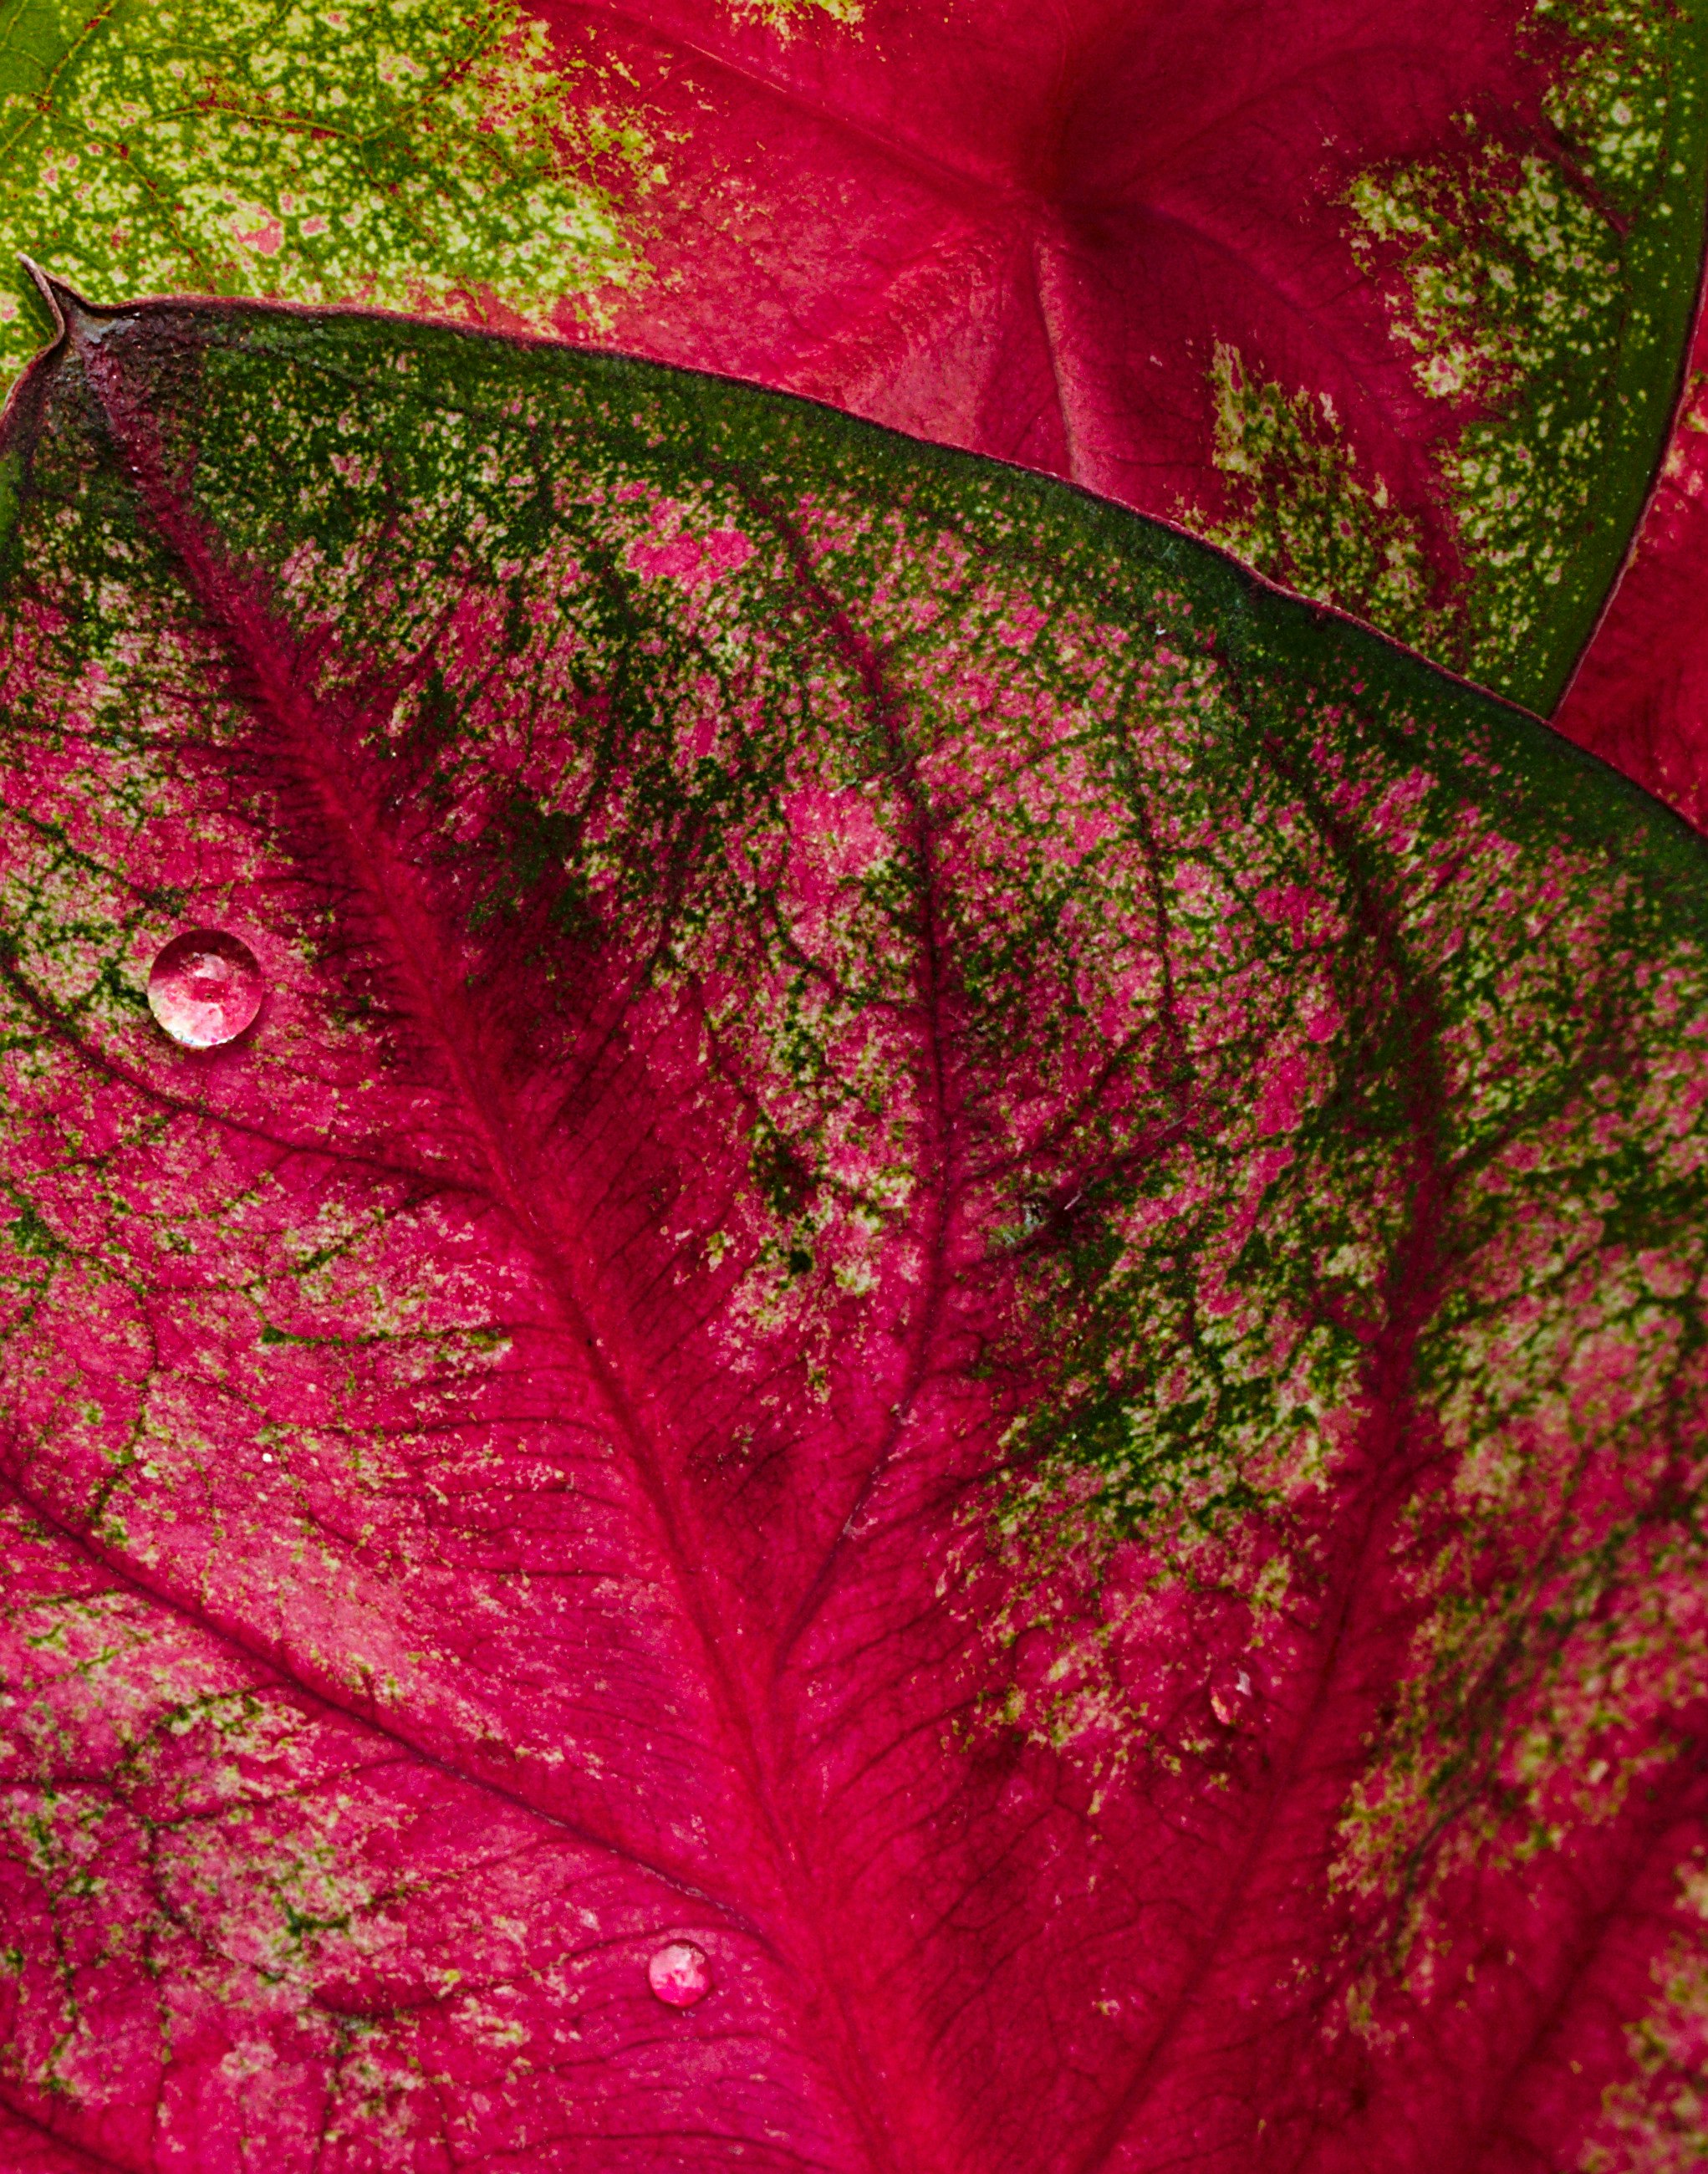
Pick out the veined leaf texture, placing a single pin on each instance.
(930, 1397)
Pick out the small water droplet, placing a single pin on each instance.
(205, 987)
(1231, 1697)
(679, 1974)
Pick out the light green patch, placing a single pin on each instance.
(787, 15)
(1612, 95)
(394, 153)
(1657, 2122)
(1547, 298)
(1301, 510)
(1512, 305)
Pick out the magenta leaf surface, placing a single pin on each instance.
(1389, 300)
(930, 1398)
(1640, 698)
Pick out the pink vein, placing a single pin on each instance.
(432, 987)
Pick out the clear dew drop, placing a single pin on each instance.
(679, 1974)
(1231, 1697)
(204, 988)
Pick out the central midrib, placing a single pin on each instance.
(431, 985)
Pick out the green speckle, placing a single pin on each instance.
(1510, 297)
(1302, 512)
(788, 15)
(27, 1233)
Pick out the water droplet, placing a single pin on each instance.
(205, 987)
(679, 1974)
(1231, 1697)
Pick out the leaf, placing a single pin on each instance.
(957, 1262)
(1639, 697)
(421, 157)
(1389, 301)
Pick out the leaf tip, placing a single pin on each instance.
(67, 308)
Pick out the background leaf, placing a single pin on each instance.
(956, 1258)
(1640, 696)
(422, 157)
(1389, 301)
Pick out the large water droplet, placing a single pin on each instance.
(679, 1974)
(205, 987)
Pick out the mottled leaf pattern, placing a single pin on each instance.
(958, 1259)
(408, 153)
(1390, 300)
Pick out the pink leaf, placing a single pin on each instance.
(1389, 301)
(930, 1396)
(1640, 698)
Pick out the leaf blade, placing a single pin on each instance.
(910, 1143)
(1304, 286)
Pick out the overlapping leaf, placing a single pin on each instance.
(411, 153)
(956, 1256)
(1389, 300)
(1640, 697)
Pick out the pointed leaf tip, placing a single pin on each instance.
(68, 308)
(45, 287)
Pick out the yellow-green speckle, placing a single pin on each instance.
(1301, 510)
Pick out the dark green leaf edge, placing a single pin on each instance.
(1279, 647)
